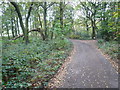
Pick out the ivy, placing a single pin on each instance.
(23, 65)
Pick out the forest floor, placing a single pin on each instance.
(87, 68)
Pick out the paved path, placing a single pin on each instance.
(88, 68)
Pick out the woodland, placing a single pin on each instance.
(35, 37)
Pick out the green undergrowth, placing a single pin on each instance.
(110, 48)
(0, 62)
(32, 65)
(79, 37)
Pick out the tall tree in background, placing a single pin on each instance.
(97, 18)
(104, 21)
(91, 11)
(45, 7)
(61, 15)
(68, 19)
(109, 20)
(24, 27)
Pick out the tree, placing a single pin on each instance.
(45, 7)
(24, 27)
(61, 15)
(68, 19)
(90, 9)
(109, 22)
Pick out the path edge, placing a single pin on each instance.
(109, 59)
(56, 81)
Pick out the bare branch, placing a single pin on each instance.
(41, 5)
(37, 30)
(30, 8)
(50, 4)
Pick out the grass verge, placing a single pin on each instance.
(110, 49)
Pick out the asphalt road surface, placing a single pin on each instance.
(89, 68)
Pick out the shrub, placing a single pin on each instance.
(110, 48)
(74, 36)
(100, 41)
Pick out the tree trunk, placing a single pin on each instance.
(93, 29)
(26, 23)
(52, 33)
(19, 16)
(25, 30)
(15, 26)
(18, 26)
(61, 15)
(40, 20)
(45, 21)
(12, 27)
(7, 31)
(86, 23)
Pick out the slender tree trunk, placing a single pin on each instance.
(93, 29)
(40, 20)
(12, 27)
(61, 15)
(7, 31)
(30, 23)
(52, 34)
(18, 30)
(87, 29)
(15, 26)
(12, 24)
(45, 21)
(26, 33)
(26, 23)
(86, 23)
(93, 25)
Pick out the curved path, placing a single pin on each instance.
(89, 68)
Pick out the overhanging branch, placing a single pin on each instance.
(33, 30)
